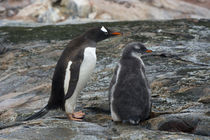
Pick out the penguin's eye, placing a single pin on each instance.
(106, 33)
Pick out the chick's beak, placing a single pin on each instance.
(148, 51)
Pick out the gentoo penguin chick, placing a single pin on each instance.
(72, 72)
(129, 91)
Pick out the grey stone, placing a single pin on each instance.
(179, 82)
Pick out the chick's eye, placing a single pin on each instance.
(145, 49)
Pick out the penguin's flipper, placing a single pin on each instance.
(75, 67)
(112, 83)
(39, 114)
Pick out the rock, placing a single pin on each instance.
(3, 49)
(104, 16)
(11, 7)
(84, 8)
(14, 4)
(203, 3)
(92, 15)
(186, 122)
(175, 124)
(51, 11)
(2, 12)
(2, 9)
(205, 99)
(11, 13)
(178, 81)
(52, 15)
(80, 8)
(155, 9)
(8, 116)
(202, 127)
(40, 11)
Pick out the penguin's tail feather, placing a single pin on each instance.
(10, 125)
(39, 114)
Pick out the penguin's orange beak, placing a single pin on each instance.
(148, 51)
(116, 33)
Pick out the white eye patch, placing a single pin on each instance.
(104, 29)
(137, 47)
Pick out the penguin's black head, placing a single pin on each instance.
(135, 47)
(100, 33)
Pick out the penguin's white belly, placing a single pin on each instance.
(86, 69)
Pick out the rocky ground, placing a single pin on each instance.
(54, 11)
(178, 71)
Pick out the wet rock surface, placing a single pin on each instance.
(178, 71)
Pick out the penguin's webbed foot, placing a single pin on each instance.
(76, 116)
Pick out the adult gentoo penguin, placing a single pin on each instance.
(72, 71)
(129, 91)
